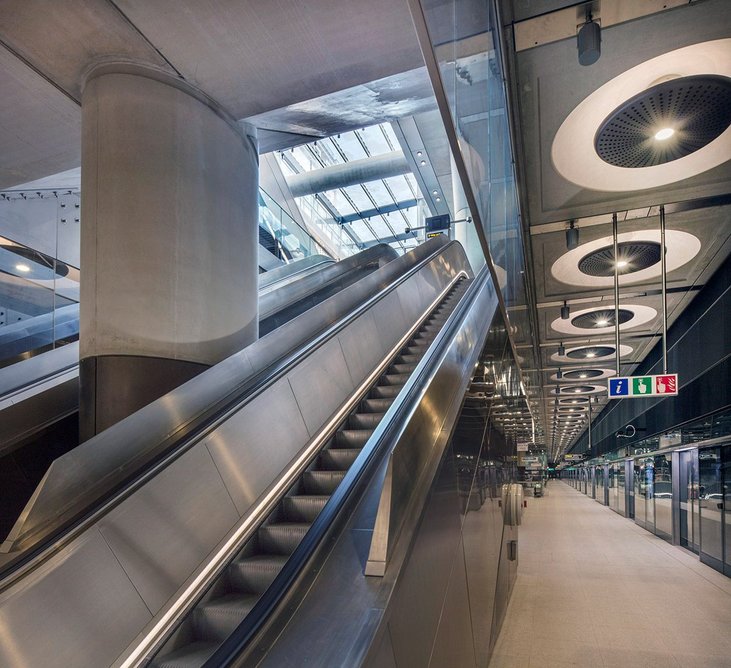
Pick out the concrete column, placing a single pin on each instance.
(168, 240)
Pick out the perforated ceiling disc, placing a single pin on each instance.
(633, 256)
(666, 122)
(601, 318)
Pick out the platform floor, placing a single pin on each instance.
(594, 589)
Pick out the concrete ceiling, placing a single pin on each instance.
(253, 57)
(546, 84)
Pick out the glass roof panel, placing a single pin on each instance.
(349, 145)
(362, 198)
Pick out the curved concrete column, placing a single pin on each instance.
(168, 239)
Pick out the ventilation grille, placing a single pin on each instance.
(591, 352)
(576, 389)
(601, 318)
(582, 374)
(698, 108)
(638, 255)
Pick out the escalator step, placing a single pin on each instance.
(192, 655)
(340, 460)
(282, 537)
(408, 359)
(217, 619)
(377, 404)
(424, 336)
(400, 367)
(385, 391)
(394, 379)
(321, 482)
(365, 421)
(303, 508)
(347, 439)
(255, 574)
(417, 349)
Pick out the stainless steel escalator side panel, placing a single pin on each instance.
(275, 301)
(286, 273)
(30, 633)
(82, 476)
(192, 500)
(357, 608)
(417, 450)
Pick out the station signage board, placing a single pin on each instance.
(437, 223)
(636, 387)
(522, 446)
(573, 458)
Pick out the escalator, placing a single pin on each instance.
(234, 594)
(329, 454)
(39, 396)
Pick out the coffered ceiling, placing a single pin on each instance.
(652, 54)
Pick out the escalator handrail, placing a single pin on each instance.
(188, 434)
(384, 436)
(44, 377)
(269, 306)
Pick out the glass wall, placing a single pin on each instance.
(688, 500)
(663, 495)
(39, 272)
(289, 241)
(466, 45)
(710, 501)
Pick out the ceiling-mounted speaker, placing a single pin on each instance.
(589, 43)
(565, 311)
(572, 236)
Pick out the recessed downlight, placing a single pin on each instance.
(24, 268)
(665, 133)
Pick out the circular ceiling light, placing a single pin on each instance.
(633, 256)
(577, 157)
(583, 375)
(23, 268)
(571, 390)
(592, 263)
(573, 401)
(601, 319)
(693, 111)
(593, 353)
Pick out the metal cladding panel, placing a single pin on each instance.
(320, 384)
(165, 530)
(58, 618)
(253, 447)
(362, 346)
(416, 610)
(413, 301)
(454, 645)
(391, 320)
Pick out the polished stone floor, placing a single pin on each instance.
(594, 589)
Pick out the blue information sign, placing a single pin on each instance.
(618, 387)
